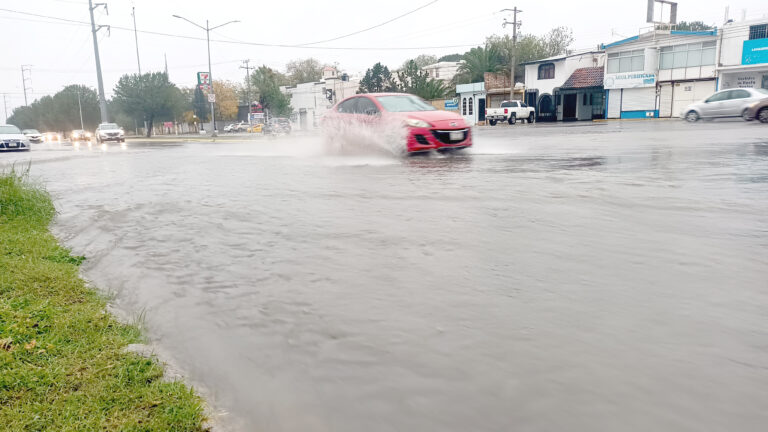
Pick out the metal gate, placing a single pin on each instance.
(665, 100)
(614, 103)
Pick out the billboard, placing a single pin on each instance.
(754, 52)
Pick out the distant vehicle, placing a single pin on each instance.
(759, 111)
(278, 126)
(257, 128)
(725, 103)
(241, 127)
(11, 139)
(33, 135)
(427, 128)
(80, 135)
(230, 127)
(50, 137)
(510, 111)
(109, 132)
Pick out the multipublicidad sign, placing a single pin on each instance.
(629, 80)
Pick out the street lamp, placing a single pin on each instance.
(208, 29)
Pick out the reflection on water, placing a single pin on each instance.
(584, 284)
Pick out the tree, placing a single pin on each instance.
(378, 79)
(530, 48)
(200, 106)
(303, 71)
(268, 81)
(150, 96)
(226, 100)
(60, 112)
(692, 26)
(478, 61)
(415, 81)
(450, 58)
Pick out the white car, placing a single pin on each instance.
(33, 135)
(725, 103)
(109, 132)
(12, 139)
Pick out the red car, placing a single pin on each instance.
(426, 127)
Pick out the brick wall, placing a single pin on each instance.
(496, 81)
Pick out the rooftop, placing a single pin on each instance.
(564, 56)
(585, 78)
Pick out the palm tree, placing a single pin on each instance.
(478, 61)
(433, 89)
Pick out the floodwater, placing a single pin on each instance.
(581, 277)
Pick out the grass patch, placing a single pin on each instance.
(62, 365)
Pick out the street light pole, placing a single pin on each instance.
(94, 30)
(80, 106)
(208, 29)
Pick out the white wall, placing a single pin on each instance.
(734, 35)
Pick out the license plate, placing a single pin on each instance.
(13, 144)
(456, 136)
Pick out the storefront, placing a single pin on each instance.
(631, 95)
(472, 102)
(744, 55)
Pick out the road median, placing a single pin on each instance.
(63, 363)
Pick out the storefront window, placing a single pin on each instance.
(687, 55)
(626, 61)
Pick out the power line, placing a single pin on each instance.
(236, 42)
(372, 27)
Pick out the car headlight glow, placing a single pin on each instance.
(417, 123)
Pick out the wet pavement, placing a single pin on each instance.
(582, 277)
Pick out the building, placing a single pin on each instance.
(743, 57)
(310, 101)
(658, 73)
(497, 88)
(472, 102)
(444, 71)
(543, 77)
(581, 97)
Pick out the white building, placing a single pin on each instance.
(543, 77)
(658, 73)
(310, 101)
(743, 57)
(444, 71)
(472, 99)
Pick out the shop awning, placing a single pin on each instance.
(584, 78)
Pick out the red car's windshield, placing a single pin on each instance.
(404, 103)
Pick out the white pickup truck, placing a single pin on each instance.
(510, 111)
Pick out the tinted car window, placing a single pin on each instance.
(739, 94)
(718, 97)
(404, 103)
(508, 104)
(348, 106)
(366, 106)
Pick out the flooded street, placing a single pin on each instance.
(582, 277)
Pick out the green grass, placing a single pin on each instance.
(62, 364)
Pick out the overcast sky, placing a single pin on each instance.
(61, 53)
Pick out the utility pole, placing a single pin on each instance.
(26, 75)
(5, 104)
(208, 29)
(247, 68)
(136, 38)
(80, 106)
(515, 23)
(95, 30)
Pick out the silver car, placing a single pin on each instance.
(11, 138)
(725, 103)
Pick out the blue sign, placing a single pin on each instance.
(451, 104)
(755, 51)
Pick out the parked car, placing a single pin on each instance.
(230, 127)
(109, 132)
(427, 128)
(11, 139)
(33, 135)
(725, 103)
(51, 137)
(241, 127)
(278, 126)
(80, 135)
(759, 111)
(510, 111)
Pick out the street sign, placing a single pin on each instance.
(451, 104)
(211, 97)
